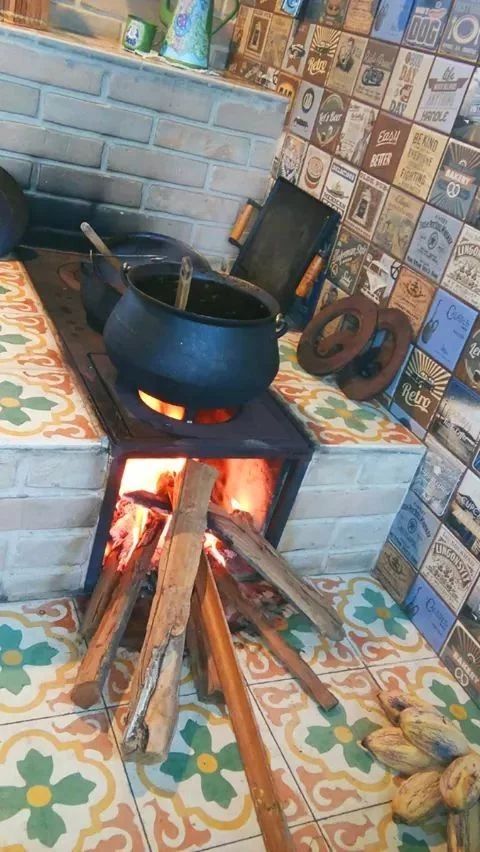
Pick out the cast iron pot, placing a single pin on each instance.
(218, 353)
(102, 286)
(13, 213)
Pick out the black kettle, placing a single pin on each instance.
(13, 213)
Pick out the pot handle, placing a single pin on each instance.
(281, 325)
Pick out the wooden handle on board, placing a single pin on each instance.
(101, 247)
(241, 222)
(312, 272)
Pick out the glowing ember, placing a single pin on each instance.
(212, 545)
(176, 412)
(207, 416)
(236, 505)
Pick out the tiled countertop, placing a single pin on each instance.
(328, 415)
(40, 400)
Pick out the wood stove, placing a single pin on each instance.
(258, 447)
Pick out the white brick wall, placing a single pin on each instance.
(345, 507)
(98, 134)
(50, 500)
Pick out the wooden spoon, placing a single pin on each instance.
(184, 282)
(100, 246)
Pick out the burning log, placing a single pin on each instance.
(254, 757)
(236, 530)
(230, 589)
(104, 644)
(204, 671)
(154, 705)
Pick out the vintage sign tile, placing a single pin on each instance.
(432, 243)
(413, 529)
(407, 82)
(419, 161)
(443, 94)
(446, 329)
(427, 23)
(437, 476)
(375, 70)
(450, 569)
(429, 613)
(412, 292)
(421, 387)
(457, 422)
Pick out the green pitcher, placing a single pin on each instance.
(187, 41)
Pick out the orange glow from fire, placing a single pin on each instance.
(176, 412)
(143, 474)
(236, 505)
(212, 545)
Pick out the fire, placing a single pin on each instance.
(236, 506)
(207, 416)
(212, 544)
(143, 474)
(176, 412)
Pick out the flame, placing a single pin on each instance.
(144, 473)
(236, 505)
(176, 412)
(212, 544)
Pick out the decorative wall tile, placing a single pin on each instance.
(443, 94)
(314, 170)
(346, 63)
(360, 14)
(394, 572)
(412, 294)
(305, 108)
(436, 477)
(395, 228)
(427, 23)
(432, 242)
(374, 75)
(391, 19)
(419, 162)
(421, 387)
(463, 272)
(357, 127)
(450, 569)
(413, 529)
(387, 142)
(429, 613)
(407, 82)
(346, 259)
(320, 56)
(366, 205)
(463, 516)
(377, 275)
(457, 422)
(461, 655)
(331, 13)
(457, 180)
(446, 329)
(467, 123)
(298, 46)
(293, 153)
(461, 37)
(329, 122)
(339, 185)
(468, 366)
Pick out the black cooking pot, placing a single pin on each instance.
(102, 286)
(218, 353)
(13, 213)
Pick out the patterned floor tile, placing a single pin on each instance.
(431, 680)
(40, 650)
(323, 749)
(63, 787)
(16, 290)
(373, 830)
(26, 339)
(119, 680)
(325, 411)
(199, 798)
(321, 654)
(376, 626)
(306, 838)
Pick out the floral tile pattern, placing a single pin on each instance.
(40, 650)
(375, 625)
(372, 830)
(328, 415)
(199, 796)
(431, 680)
(322, 655)
(39, 399)
(63, 787)
(323, 750)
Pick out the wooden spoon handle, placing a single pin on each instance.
(184, 282)
(101, 247)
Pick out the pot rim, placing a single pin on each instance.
(226, 281)
(119, 239)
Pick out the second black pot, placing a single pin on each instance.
(219, 353)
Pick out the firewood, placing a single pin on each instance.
(255, 760)
(463, 830)
(231, 589)
(102, 594)
(204, 671)
(104, 644)
(154, 705)
(239, 533)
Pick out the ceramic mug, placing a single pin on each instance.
(138, 34)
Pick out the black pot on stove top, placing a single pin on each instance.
(219, 353)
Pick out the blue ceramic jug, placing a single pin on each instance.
(189, 32)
